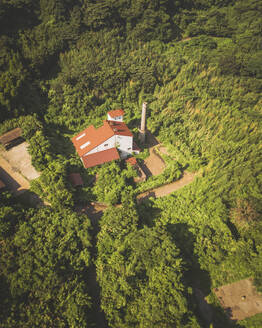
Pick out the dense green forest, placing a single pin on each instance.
(198, 64)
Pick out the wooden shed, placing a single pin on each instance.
(76, 179)
(11, 138)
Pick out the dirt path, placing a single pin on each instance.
(154, 163)
(13, 179)
(169, 188)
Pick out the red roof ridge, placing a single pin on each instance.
(116, 112)
(119, 128)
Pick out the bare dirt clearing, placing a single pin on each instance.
(154, 163)
(163, 150)
(16, 169)
(20, 160)
(168, 188)
(14, 181)
(240, 299)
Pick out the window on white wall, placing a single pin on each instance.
(105, 145)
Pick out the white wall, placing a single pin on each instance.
(117, 118)
(109, 143)
(123, 143)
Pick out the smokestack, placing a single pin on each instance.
(142, 135)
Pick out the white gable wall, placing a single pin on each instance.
(123, 143)
(107, 144)
(117, 118)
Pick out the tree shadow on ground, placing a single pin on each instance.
(30, 199)
(147, 212)
(151, 140)
(145, 169)
(60, 144)
(97, 314)
(199, 280)
(10, 183)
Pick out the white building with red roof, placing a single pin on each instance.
(112, 141)
(116, 115)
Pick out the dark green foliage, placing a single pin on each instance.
(44, 266)
(111, 185)
(39, 149)
(19, 91)
(12, 83)
(53, 185)
(17, 14)
(9, 216)
(140, 273)
(63, 65)
(29, 124)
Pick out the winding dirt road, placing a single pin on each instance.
(168, 188)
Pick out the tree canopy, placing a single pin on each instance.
(63, 66)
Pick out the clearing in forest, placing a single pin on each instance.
(20, 160)
(14, 181)
(154, 164)
(240, 300)
(16, 169)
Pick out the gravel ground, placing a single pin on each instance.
(13, 180)
(20, 160)
(240, 299)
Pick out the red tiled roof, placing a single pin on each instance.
(120, 128)
(100, 157)
(132, 161)
(76, 179)
(92, 137)
(116, 112)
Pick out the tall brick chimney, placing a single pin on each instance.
(142, 131)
